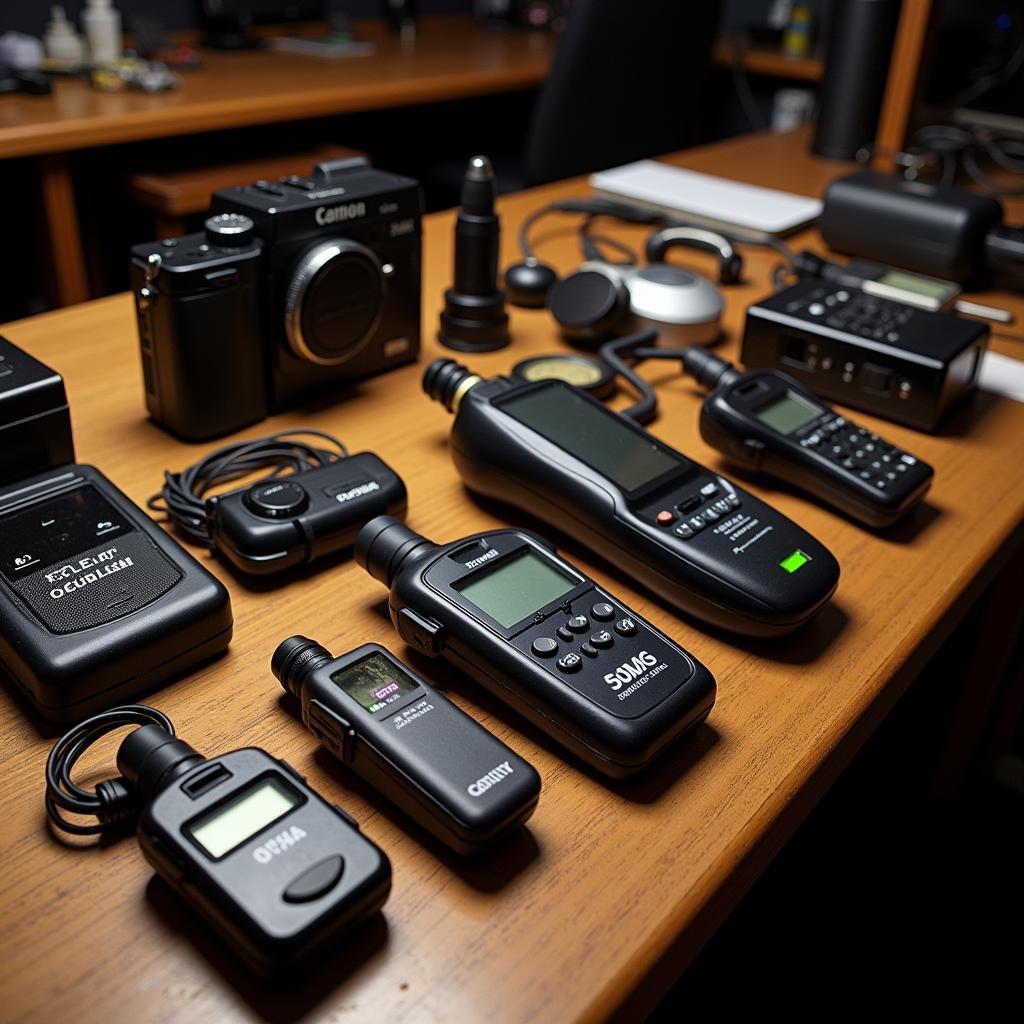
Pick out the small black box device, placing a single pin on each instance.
(280, 873)
(293, 520)
(409, 742)
(296, 288)
(96, 601)
(888, 358)
(543, 638)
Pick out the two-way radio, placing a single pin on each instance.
(689, 535)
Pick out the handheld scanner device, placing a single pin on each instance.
(689, 535)
(409, 742)
(766, 420)
(543, 638)
(256, 852)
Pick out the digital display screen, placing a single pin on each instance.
(789, 412)
(375, 682)
(516, 588)
(914, 284)
(595, 435)
(241, 817)
(55, 531)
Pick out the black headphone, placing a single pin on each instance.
(532, 284)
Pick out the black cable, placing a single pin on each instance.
(183, 495)
(113, 801)
(634, 346)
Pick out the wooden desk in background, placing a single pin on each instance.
(450, 58)
(612, 889)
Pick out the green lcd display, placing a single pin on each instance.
(232, 823)
(789, 412)
(925, 286)
(795, 561)
(375, 682)
(516, 588)
(593, 434)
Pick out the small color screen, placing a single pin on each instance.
(914, 284)
(794, 561)
(375, 682)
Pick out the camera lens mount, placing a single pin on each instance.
(334, 303)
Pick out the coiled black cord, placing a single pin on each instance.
(183, 497)
(113, 802)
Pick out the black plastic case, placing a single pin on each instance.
(97, 603)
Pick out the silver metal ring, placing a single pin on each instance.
(312, 263)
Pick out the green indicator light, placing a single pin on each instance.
(794, 561)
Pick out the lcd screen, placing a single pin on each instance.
(595, 435)
(375, 682)
(231, 824)
(515, 589)
(788, 413)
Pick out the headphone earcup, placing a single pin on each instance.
(730, 262)
(588, 305)
(527, 284)
(730, 269)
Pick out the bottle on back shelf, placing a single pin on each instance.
(102, 25)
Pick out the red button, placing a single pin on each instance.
(665, 518)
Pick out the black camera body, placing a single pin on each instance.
(295, 289)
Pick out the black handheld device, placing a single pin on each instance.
(543, 638)
(409, 742)
(689, 535)
(281, 521)
(97, 603)
(891, 359)
(766, 420)
(279, 873)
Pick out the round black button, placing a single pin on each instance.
(276, 499)
(564, 634)
(602, 639)
(315, 881)
(569, 662)
(625, 626)
(544, 647)
(578, 624)
(603, 612)
(589, 650)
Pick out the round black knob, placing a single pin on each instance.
(276, 499)
(230, 230)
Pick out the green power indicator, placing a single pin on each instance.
(794, 561)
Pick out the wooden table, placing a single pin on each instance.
(450, 58)
(612, 889)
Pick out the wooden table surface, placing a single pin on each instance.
(449, 58)
(612, 888)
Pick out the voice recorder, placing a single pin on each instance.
(766, 420)
(409, 742)
(689, 535)
(542, 638)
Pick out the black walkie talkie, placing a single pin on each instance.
(542, 638)
(766, 420)
(686, 533)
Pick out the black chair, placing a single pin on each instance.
(627, 82)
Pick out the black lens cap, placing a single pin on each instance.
(583, 372)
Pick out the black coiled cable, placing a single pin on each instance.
(183, 497)
(113, 802)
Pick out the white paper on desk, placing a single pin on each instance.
(1002, 375)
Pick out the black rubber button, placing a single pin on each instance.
(579, 624)
(625, 626)
(603, 612)
(316, 881)
(544, 647)
(602, 639)
(589, 650)
(564, 634)
(276, 499)
(569, 662)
